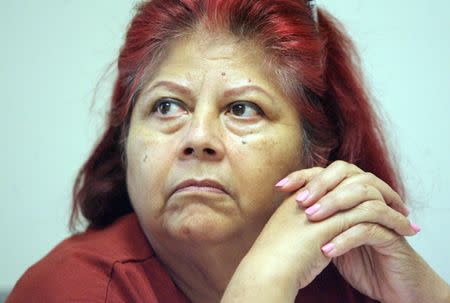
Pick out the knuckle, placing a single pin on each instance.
(397, 198)
(370, 176)
(356, 232)
(354, 168)
(338, 199)
(339, 165)
(317, 169)
(379, 208)
(297, 175)
(306, 174)
(367, 191)
(345, 223)
(401, 218)
(345, 169)
(371, 229)
(317, 184)
(372, 208)
(364, 190)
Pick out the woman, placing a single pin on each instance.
(242, 162)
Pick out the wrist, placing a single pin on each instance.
(258, 280)
(440, 293)
(431, 287)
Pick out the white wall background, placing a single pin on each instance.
(54, 52)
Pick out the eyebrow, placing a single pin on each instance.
(171, 85)
(239, 90)
(229, 93)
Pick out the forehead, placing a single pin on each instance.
(201, 56)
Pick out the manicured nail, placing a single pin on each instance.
(415, 227)
(282, 182)
(328, 248)
(312, 209)
(302, 196)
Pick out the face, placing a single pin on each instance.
(210, 136)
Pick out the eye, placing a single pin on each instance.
(245, 109)
(168, 107)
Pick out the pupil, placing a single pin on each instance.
(239, 109)
(164, 107)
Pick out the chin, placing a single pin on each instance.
(199, 224)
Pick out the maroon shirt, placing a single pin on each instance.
(117, 264)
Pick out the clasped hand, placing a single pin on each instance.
(343, 215)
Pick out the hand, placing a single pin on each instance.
(372, 255)
(288, 249)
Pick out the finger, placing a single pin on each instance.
(343, 197)
(325, 181)
(391, 197)
(297, 179)
(373, 211)
(362, 234)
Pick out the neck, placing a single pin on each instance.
(203, 271)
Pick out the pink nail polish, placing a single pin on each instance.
(282, 182)
(328, 248)
(302, 196)
(312, 209)
(415, 227)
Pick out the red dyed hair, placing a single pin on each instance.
(316, 63)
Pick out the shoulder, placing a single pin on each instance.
(94, 266)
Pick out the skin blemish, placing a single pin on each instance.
(244, 142)
(145, 158)
(224, 74)
(249, 80)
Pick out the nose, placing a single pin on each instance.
(202, 139)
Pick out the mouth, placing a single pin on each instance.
(205, 185)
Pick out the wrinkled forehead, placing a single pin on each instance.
(242, 58)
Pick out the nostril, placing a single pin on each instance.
(210, 151)
(188, 151)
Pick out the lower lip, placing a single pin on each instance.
(197, 189)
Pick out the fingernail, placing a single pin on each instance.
(282, 182)
(312, 209)
(415, 227)
(328, 248)
(302, 196)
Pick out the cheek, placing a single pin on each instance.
(276, 153)
(261, 163)
(148, 164)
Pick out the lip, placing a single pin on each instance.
(205, 185)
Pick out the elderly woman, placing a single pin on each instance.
(242, 162)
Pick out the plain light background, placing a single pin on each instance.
(54, 53)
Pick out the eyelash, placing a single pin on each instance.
(179, 103)
(166, 100)
(252, 105)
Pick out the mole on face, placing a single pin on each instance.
(249, 80)
(244, 142)
(223, 74)
(145, 158)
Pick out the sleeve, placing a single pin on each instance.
(88, 279)
(62, 281)
(142, 281)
